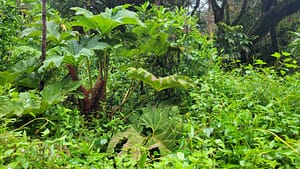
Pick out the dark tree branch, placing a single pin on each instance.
(266, 5)
(274, 40)
(196, 7)
(224, 3)
(226, 7)
(272, 17)
(241, 14)
(217, 10)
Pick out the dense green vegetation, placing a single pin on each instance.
(142, 87)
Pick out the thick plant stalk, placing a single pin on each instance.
(44, 32)
(44, 39)
(89, 72)
(85, 103)
(91, 99)
(98, 92)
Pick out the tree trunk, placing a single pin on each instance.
(274, 40)
(272, 17)
(242, 13)
(218, 11)
(227, 13)
(210, 21)
(266, 5)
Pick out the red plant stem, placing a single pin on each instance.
(84, 104)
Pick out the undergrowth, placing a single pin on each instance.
(238, 119)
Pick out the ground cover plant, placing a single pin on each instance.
(141, 87)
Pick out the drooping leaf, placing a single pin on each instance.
(172, 81)
(123, 16)
(23, 70)
(30, 102)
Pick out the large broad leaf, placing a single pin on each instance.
(25, 50)
(31, 31)
(7, 77)
(54, 34)
(132, 145)
(81, 11)
(172, 81)
(56, 92)
(86, 23)
(94, 43)
(30, 101)
(9, 107)
(27, 65)
(105, 25)
(23, 70)
(30, 81)
(74, 52)
(164, 135)
(53, 61)
(53, 30)
(20, 104)
(106, 21)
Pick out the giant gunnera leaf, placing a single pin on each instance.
(160, 83)
(132, 143)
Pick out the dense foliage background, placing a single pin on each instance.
(159, 84)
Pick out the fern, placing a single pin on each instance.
(161, 83)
